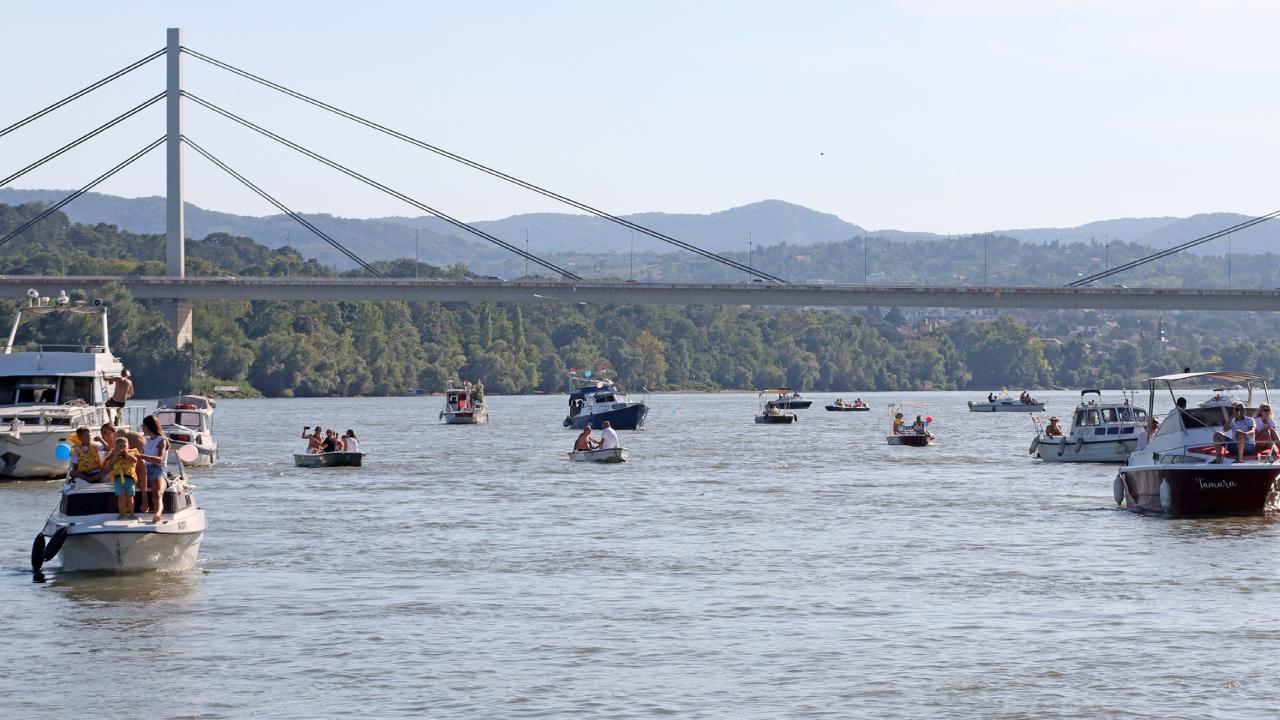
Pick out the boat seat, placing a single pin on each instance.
(1226, 451)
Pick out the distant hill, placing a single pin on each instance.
(767, 223)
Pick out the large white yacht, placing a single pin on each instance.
(48, 390)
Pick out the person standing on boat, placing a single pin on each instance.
(121, 391)
(155, 453)
(608, 437)
(122, 463)
(1147, 433)
(585, 441)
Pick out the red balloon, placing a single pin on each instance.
(928, 419)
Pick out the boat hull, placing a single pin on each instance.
(1013, 407)
(1201, 489)
(331, 459)
(31, 455)
(630, 417)
(610, 455)
(910, 440)
(846, 408)
(122, 551)
(1067, 450)
(466, 418)
(775, 419)
(793, 404)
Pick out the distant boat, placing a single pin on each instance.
(1004, 403)
(188, 420)
(592, 401)
(842, 406)
(329, 459)
(465, 405)
(791, 400)
(1103, 433)
(771, 412)
(904, 434)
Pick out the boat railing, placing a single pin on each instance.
(42, 347)
(1215, 448)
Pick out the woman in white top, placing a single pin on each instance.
(350, 443)
(1147, 433)
(1265, 436)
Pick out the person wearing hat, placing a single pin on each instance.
(1053, 429)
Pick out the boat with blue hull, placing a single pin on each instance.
(591, 402)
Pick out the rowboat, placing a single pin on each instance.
(329, 459)
(606, 455)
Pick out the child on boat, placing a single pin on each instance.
(86, 461)
(122, 464)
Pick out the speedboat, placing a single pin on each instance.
(591, 402)
(1100, 432)
(188, 420)
(1004, 403)
(1181, 471)
(328, 459)
(791, 400)
(464, 405)
(907, 434)
(46, 391)
(86, 531)
(771, 411)
(601, 455)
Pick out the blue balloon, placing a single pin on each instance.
(62, 451)
(587, 374)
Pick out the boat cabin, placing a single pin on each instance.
(1113, 421)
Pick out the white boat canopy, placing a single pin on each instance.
(1230, 376)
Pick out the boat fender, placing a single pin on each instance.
(37, 553)
(1079, 444)
(565, 423)
(1166, 495)
(1062, 446)
(1035, 443)
(1117, 489)
(55, 544)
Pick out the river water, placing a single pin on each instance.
(729, 570)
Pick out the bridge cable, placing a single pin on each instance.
(61, 203)
(82, 92)
(485, 169)
(92, 133)
(1173, 250)
(379, 186)
(266, 196)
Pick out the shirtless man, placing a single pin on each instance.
(121, 391)
(314, 439)
(1053, 430)
(584, 441)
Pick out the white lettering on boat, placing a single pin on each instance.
(1216, 484)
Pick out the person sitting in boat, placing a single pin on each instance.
(584, 441)
(86, 460)
(314, 439)
(608, 437)
(122, 465)
(1237, 432)
(771, 409)
(330, 442)
(1264, 435)
(350, 443)
(839, 402)
(898, 423)
(1053, 429)
(991, 397)
(918, 425)
(858, 402)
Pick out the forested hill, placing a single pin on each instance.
(355, 348)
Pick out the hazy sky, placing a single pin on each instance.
(941, 115)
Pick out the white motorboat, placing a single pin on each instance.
(601, 455)
(46, 391)
(1100, 432)
(88, 534)
(1005, 403)
(188, 420)
(592, 401)
(771, 408)
(465, 405)
(1182, 471)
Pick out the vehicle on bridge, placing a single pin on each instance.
(591, 402)
(46, 391)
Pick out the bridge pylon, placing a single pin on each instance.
(179, 311)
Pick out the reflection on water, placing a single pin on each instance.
(730, 570)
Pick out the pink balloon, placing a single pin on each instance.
(188, 453)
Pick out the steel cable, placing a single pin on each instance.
(82, 92)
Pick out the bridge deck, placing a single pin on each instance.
(530, 291)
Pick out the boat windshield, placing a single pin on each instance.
(29, 389)
(175, 417)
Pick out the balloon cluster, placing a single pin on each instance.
(928, 420)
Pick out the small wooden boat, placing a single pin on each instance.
(607, 455)
(329, 459)
(911, 439)
(848, 408)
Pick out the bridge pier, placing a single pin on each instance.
(178, 312)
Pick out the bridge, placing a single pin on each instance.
(765, 289)
(188, 289)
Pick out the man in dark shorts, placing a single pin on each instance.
(121, 391)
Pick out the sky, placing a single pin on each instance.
(948, 116)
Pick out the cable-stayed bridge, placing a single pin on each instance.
(764, 288)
